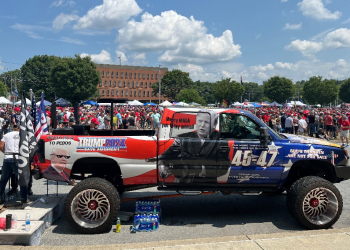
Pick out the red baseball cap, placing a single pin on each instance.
(83, 119)
(95, 120)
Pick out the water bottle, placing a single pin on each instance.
(136, 223)
(27, 221)
(153, 223)
(143, 224)
(148, 223)
(117, 230)
(143, 206)
(138, 209)
(14, 221)
(157, 221)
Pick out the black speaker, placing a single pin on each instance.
(63, 131)
(80, 129)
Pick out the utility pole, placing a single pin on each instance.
(31, 96)
(11, 91)
(160, 94)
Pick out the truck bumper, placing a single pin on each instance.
(342, 172)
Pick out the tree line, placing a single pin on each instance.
(76, 79)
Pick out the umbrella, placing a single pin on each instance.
(150, 104)
(27, 101)
(166, 104)
(46, 103)
(90, 103)
(194, 104)
(62, 102)
(135, 102)
(3, 100)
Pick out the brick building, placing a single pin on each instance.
(129, 82)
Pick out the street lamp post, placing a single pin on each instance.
(160, 94)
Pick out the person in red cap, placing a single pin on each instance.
(94, 123)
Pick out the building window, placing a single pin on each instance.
(112, 74)
(112, 92)
(130, 75)
(133, 84)
(145, 84)
(137, 84)
(152, 76)
(121, 74)
(135, 93)
(122, 92)
(103, 92)
(117, 93)
(105, 83)
(126, 93)
(120, 83)
(116, 74)
(107, 73)
(130, 93)
(147, 93)
(139, 75)
(156, 76)
(141, 84)
(144, 93)
(103, 73)
(143, 75)
(147, 76)
(124, 84)
(135, 75)
(108, 92)
(126, 76)
(115, 83)
(140, 93)
(128, 84)
(110, 83)
(100, 84)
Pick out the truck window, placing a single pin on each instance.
(238, 126)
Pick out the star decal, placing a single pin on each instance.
(273, 147)
(287, 166)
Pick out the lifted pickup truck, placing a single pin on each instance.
(194, 150)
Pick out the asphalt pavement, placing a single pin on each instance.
(192, 218)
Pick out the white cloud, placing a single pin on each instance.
(184, 39)
(321, 35)
(70, 40)
(104, 57)
(111, 14)
(339, 38)
(316, 9)
(346, 21)
(257, 36)
(307, 48)
(293, 26)
(30, 30)
(63, 19)
(1, 67)
(283, 1)
(62, 3)
(138, 59)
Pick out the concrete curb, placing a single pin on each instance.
(320, 239)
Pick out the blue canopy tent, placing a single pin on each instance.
(256, 105)
(46, 103)
(90, 103)
(276, 104)
(149, 104)
(62, 102)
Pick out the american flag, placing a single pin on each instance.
(42, 114)
(36, 119)
(16, 92)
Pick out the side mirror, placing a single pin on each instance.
(264, 136)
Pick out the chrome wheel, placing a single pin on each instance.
(320, 206)
(90, 208)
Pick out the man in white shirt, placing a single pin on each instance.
(302, 126)
(289, 125)
(9, 145)
(2, 122)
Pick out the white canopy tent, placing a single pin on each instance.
(238, 104)
(248, 105)
(135, 103)
(3, 100)
(181, 104)
(297, 103)
(166, 104)
(27, 101)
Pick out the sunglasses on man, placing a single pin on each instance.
(60, 156)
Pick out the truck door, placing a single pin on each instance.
(250, 163)
(192, 156)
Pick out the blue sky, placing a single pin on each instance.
(209, 39)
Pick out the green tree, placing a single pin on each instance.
(317, 91)
(253, 92)
(278, 88)
(172, 83)
(3, 90)
(35, 75)
(228, 90)
(344, 91)
(205, 90)
(74, 78)
(190, 95)
(16, 77)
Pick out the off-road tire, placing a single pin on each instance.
(106, 189)
(296, 200)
